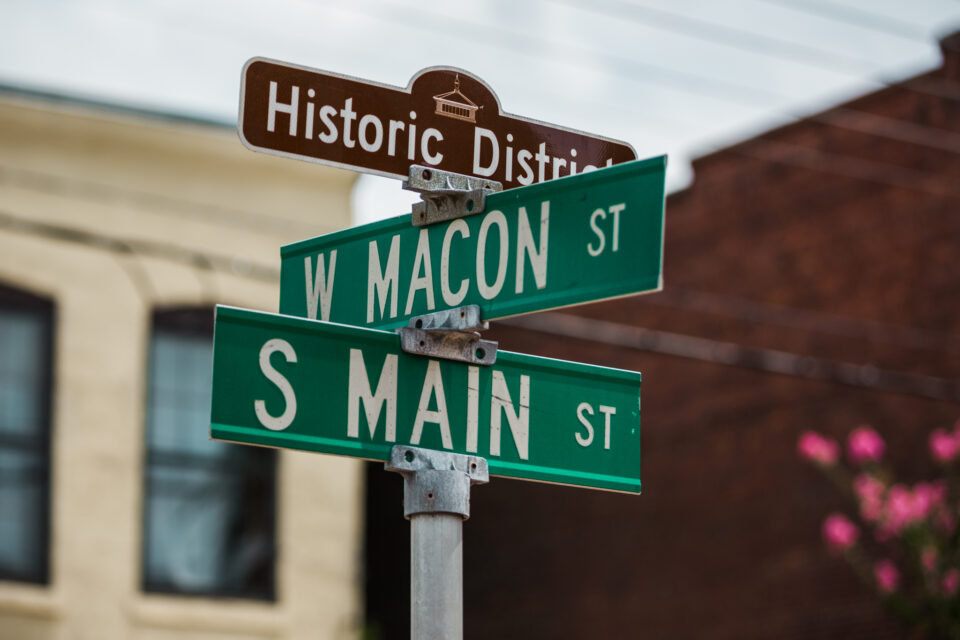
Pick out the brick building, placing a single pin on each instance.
(811, 282)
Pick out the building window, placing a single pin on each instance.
(209, 506)
(26, 333)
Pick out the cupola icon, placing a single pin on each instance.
(453, 104)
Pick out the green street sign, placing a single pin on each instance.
(293, 383)
(582, 238)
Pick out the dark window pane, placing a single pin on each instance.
(25, 361)
(209, 506)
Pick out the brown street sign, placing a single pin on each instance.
(445, 118)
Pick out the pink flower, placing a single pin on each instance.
(905, 508)
(944, 446)
(815, 447)
(865, 445)
(886, 575)
(900, 510)
(839, 533)
(927, 496)
(870, 492)
(928, 558)
(951, 580)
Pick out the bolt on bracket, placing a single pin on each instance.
(446, 195)
(449, 345)
(450, 335)
(466, 318)
(436, 481)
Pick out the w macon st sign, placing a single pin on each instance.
(583, 238)
(445, 118)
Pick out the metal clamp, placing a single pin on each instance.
(450, 335)
(436, 481)
(466, 318)
(446, 195)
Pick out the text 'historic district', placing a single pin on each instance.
(446, 119)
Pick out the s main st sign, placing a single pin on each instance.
(445, 118)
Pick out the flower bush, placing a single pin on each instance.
(903, 541)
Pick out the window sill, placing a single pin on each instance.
(35, 601)
(204, 614)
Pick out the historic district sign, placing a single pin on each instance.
(300, 384)
(584, 238)
(445, 118)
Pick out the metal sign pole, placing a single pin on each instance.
(436, 500)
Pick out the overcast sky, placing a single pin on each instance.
(679, 77)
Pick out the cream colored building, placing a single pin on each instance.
(110, 216)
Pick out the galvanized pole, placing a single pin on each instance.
(436, 576)
(436, 500)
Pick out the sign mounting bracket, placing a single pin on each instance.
(437, 481)
(446, 195)
(465, 318)
(452, 334)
